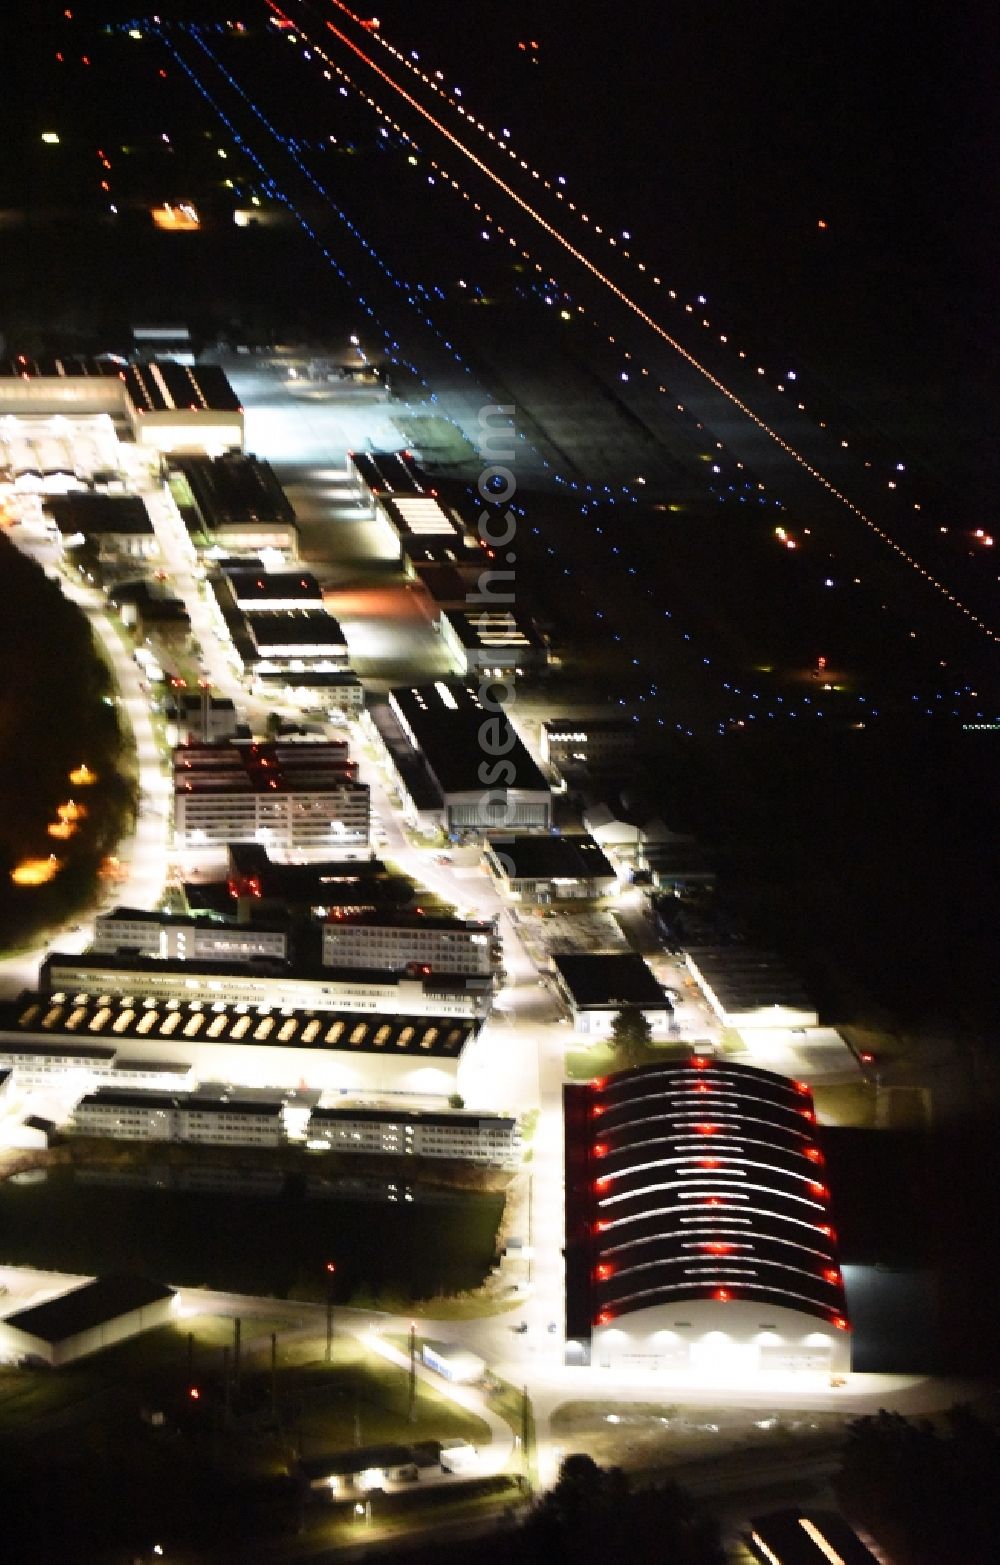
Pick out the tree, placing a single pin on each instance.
(455, 1100)
(593, 1515)
(631, 1037)
(930, 1491)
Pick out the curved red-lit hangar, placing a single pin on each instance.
(698, 1226)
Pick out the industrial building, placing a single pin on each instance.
(85, 1320)
(254, 881)
(118, 525)
(164, 404)
(698, 1226)
(268, 983)
(597, 987)
(438, 944)
(806, 1537)
(458, 1134)
(240, 506)
(302, 636)
(372, 473)
(549, 869)
(100, 1041)
(259, 591)
(457, 761)
(571, 745)
(413, 521)
(747, 988)
(323, 687)
(164, 935)
(492, 641)
(288, 795)
(154, 1116)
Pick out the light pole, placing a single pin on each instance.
(330, 1269)
(412, 1398)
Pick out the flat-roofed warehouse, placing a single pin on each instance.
(291, 795)
(167, 405)
(262, 1046)
(240, 504)
(88, 1318)
(386, 472)
(596, 987)
(414, 520)
(492, 641)
(284, 637)
(750, 988)
(258, 591)
(806, 1537)
(550, 868)
(698, 1226)
(481, 773)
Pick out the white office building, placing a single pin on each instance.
(457, 1134)
(164, 935)
(439, 945)
(149, 1116)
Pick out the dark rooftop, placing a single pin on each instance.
(551, 858)
(610, 981)
(116, 1098)
(282, 768)
(90, 1305)
(446, 723)
(415, 1117)
(166, 387)
(234, 490)
(291, 628)
(92, 514)
(390, 472)
(256, 586)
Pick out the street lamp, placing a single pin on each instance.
(330, 1269)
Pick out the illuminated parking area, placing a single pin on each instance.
(698, 1231)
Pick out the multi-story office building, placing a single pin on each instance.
(437, 945)
(285, 795)
(152, 1116)
(471, 1138)
(189, 939)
